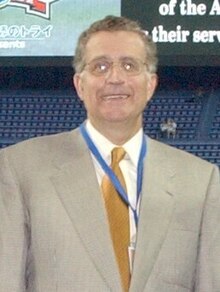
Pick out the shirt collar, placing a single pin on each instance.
(104, 146)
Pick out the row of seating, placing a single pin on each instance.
(175, 106)
(28, 114)
(215, 128)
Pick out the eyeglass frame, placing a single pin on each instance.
(111, 63)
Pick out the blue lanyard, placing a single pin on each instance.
(111, 174)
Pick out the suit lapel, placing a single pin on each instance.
(155, 213)
(76, 185)
(83, 202)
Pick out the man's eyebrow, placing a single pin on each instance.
(106, 57)
(102, 57)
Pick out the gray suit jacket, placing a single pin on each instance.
(54, 233)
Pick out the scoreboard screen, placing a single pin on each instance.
(34, 32)
(43, 31)
(187, 32)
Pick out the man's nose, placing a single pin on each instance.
(116, 74)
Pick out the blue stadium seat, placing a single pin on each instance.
(29, 114)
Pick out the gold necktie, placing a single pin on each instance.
(118, 217)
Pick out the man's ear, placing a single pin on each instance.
(77, 81)
(152, 85)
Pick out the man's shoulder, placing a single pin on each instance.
(44, 144)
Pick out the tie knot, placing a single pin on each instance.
(118, 154)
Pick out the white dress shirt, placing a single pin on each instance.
(128, 166)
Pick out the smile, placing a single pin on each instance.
(115, 97)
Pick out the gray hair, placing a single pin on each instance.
(111, 24)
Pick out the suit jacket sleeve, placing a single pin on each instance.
(208, 269)
(12, 231)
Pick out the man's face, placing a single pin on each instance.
(115, 97)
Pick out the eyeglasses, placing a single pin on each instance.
(129, 66)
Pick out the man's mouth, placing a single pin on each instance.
(115, 96)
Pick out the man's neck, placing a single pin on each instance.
(117, 133)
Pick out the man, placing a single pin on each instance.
(169, 127)
(57, 232)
